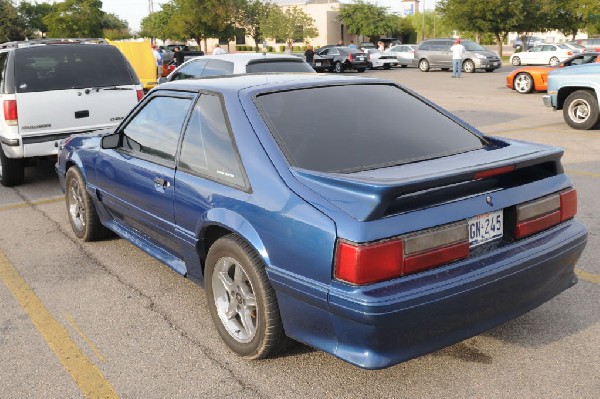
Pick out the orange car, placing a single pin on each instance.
(527, 79)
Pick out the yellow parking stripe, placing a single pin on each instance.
(85, 338)
(87, 376)
(27, 204)
(589, 277)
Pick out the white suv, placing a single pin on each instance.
(54, 88)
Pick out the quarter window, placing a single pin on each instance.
(208, 149)
(154, 132)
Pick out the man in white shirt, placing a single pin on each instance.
(458, 51)
(218, 50)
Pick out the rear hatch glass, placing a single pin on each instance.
(59, 67)
(358, 127)
(290, 65)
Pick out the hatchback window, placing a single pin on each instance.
(154, 132)
(59, 67)
(332, 139)
(278, 66)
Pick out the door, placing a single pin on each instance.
(136, 179)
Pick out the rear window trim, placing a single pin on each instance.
(290, 159)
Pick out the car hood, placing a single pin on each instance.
(369, 195)
(486, 53)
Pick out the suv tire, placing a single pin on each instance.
(12, 171)
(424, 65)
(580, 110)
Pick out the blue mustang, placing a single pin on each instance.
(303, 219)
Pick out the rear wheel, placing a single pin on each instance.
(424, 65)
(339, 67)
(12, 170)
(469, 66)
(387, 66)
(361, 70)
(581, 110)
(554, 61)
(516, 61)
(82, 212)
(523, 83)
(241, 300)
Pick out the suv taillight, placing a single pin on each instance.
(10, 112)
(140, 94)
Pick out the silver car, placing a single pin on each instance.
(405, 53)
(435, 53)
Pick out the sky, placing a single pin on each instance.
(134, 10)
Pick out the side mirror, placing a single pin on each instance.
(110, 141)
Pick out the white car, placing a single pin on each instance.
(404, 53)
(546, 54)
(379, 59)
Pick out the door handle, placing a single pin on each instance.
(159, 181)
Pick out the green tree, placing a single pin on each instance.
(12, 25)
(569, 16)
(366, 19)
(291, 25)
(75, 18)
(34, 14)
(114, 28)
(251, 14)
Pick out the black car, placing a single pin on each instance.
(338, 59)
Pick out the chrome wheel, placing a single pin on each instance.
(554, 61)
(235, 300)
(516, 61)
(523, 83)
(424, 65)
(76, 205)
(469, 66)
(579, 110)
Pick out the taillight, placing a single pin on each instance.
(569, 53)
(384, 260)
(140, 94)
(541, 214)
(10, 112)
(350, 56)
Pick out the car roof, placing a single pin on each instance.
(240, 60)
(264, 82)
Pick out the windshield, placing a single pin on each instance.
(338, 137)
(472, 46)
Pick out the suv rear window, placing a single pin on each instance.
(278, 66)
(62, 66)
(362, 127)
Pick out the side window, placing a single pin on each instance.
(3, 58)
(334, 51)
(548, 48)
(153, 133)
(190, 71)
(218, 68)
(208, 149)
(425, 46)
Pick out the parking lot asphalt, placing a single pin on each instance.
(104, 319)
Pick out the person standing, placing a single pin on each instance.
(218, 50)
(381, 46)
(159, 61)
(309, 54)
(352, 45)
(178, 56)
(458, 51)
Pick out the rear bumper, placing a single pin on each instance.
(383, 324)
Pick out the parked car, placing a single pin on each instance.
(340, 58)
(304, 220)
(530, 41)
(527, 79)
(366, 45)
(52, 88)
(405, 53)
(592, 44)
(575, 90)
(168, 51)
(379, 59)
(435, 53)
(547, 54)
(230, 64)
(169, 67)
(578, 47)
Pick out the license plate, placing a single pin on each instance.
(495, 63)
(486, 227)
(317, 63)
(360, 58)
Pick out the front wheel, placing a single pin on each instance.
(241, 300)
(554, 61)
(80, 207)
(516, 61)
(387, 66)
(12, 170)
(469, 66)
(523, 83)
(424, 65)
(581, 110)
(339, 67)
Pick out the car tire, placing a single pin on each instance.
(338, 67)
(80, 208)
(361, 70)
(489, 69)
(387, 66)
(554, 61)
(516, 61)
(424, 65)
(468, 66)
(580, 110)
(523, 83)
(241, 301)
(12, 170)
